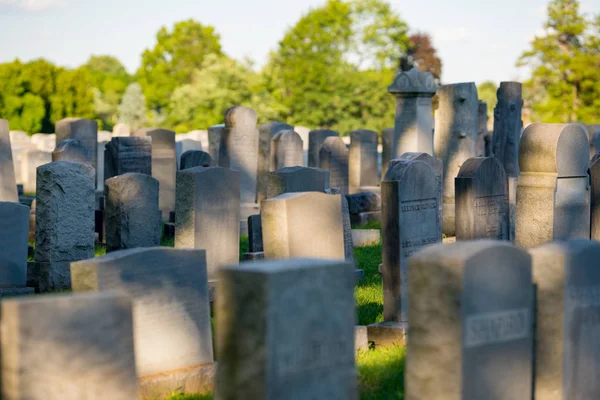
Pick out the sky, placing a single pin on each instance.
(477, 40)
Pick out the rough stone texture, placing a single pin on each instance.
(409, 221)
(214, 141)
(363, 202)
(595, 198)
(72, 150)
(362, 168)
(194, 158)
(66, 347)
(84, 130)
(297, 179)
(306, 224)
(133, 218)
(30, 161)
(482, 200)
(14, 229)
(471, 322)
(567, 280)
(128, 155)
(267, 154)
(15, 292)
(387, 149)
(414, 121)
(455, 139)
(171, 319)
(255, 242)
(51, 276)
(348, 245)
(8, 182)
(334, 158)
(482, 121)
(207, 214)
(553, 196)
(286, 150)
(316, 139)
(298, 349)
(593, 132)
(121, 129)
(192, 380)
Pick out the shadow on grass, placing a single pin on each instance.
(381, 373)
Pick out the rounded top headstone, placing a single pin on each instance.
(401, 168)
(488, 166)
(239, 116)
(413, 82)
(334, 144)
(510, 90)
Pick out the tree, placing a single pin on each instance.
(488, 92)
(423, 55)
(73, 96)
(132, 110)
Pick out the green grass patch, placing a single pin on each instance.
(370, 225)
(207, 396)
(369, 292)
(381, 373)
(243, 245)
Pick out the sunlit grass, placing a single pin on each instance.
(369, 292)
(369, 225)
(381, 373)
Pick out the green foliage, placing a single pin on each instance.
(132, 110)
(487, 91)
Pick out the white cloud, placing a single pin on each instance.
(452, 35)
(33, 5)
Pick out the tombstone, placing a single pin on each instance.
(553, 194)
(128, 155)
(255, 242)
(593, 132)
(413, 126)
(183, 144)
(44, 141)
(362, 167)
(68, 347)
(121, 130)
(267, 154)
(194, 158)
(133, 218)
(482, 121)
(299, 349)
(303, 224)
(471, 322)
(214, 141)
(18, 136)
(409, 221)
(207, 214)
(297, 179)
(64, 226)
(8, 183)
(71, 150)
(30, 161)
(164, 165)
(286, 151)
(316, 139)
(14, 230)
(200, 136)
(347, 227)
(482, 200)
(455, 138)
(84, 130)
(303, 131)
(387, 144)
(595, 198)
(334, 158)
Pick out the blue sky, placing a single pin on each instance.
(477, 39)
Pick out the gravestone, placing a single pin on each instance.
(304, 224)
(68, 347)
(553, 196)
(84, 130)
(299, 349)
(409, 221)
(121, 130)
(387, 144)
(286, 150)
(30, 161)
(482, 200)
(183, 144)
(128, 155)
(471, 322)
(71, 150)
(413, 126)
(214, 141)
(303, 131)
(568, 324)
(297, 179)
(207, 214)
(593, 132)
(455, 138)
(8, 183)
(64, 226)
(267, 154)
(482, 121)
(362, 167)
(255, 242)
(347, 227)
(44, 141)
(14, 230)
(200, 136)
(334, 158)
(171, 318)
(133, 218)
(595, 198)
(194, 158)
(316, 139)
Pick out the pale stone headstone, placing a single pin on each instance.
(553, 195)
(346, 224)
(194, 158)
(362, 167)
(207, 214)
(387, 144)
(214, 141)
(298, 349)
(128, 155)
(595, 198)
(200, 136)
(286, 150)
(44, 141)
(409, 221)
(84, 130)
(482, 122)
(72, 150)
(482, 200)
(185, 144)
(297, 179)
(316, 139)
(455, 138)
(304, 132)
(334, 158)
(14, 229)
(471, 321)
(68, 347)
(30, 161)
(121, 129)
(133, 218)
(19, 136)
(413, 127)
(8, 183)
(267, 154)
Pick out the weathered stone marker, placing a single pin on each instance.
(387, 144)
(286, 150)
(362, 166)
(316, 139)
(72, 150)
(8, 183)
(297, 179)
(194, 158)
(484, 137)
(124, 155)
(299, 349)
(267, 154)
(214, 141)
(14, 229)
(471, 321)
(553, 196)
(334, 158)
(346, 224)
(482, 200)
(30, 161)
(595, 198)
(121, 130)
(84, 130)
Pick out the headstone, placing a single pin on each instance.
(207, 214)
(255, 242)
(409, 221)
(303, 131)
(297, 179)
(595, 198)
(30, 161)
(553, 195)
(200, 136)
(128, 155)
(387, 144)
(482, 200)
(72, 150)
(14, 229)
(120, 130)
(68, 347)
(84, 130)
(267, 154)
(18, 136)
(64, 227)
(133, 218)
(183, 144)
(362, 167)
(44, 141)
(214, 141)
(286, 150)
(593, 132)
(482, 122)
(298, 349)
(347, 227)
(316, 139)
(194, 158)
(455, 138)
(305, 224)
(8, 183)
(471, 321)
(100, 166)
(413, 127)
(164, 165)
(334, 158)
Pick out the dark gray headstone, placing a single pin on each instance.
(194, 158)
(387, 144)
(72, 150)
(595, 197)
(362, 159)
(14, 229)
(84, 130)
(214, 141)
(334, 158)
(316, 139)
(297, 179)
(128, 154)
(255, 242)
(482, 121)
(508, 126)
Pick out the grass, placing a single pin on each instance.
(369, 292)
(370, 225)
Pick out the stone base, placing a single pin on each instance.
(259, 255)
(387, 333)
(16, 291)
(194, 380)
(49, 276)
(360, 274)
(365, 237)
(361, 338)
(365, 217)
